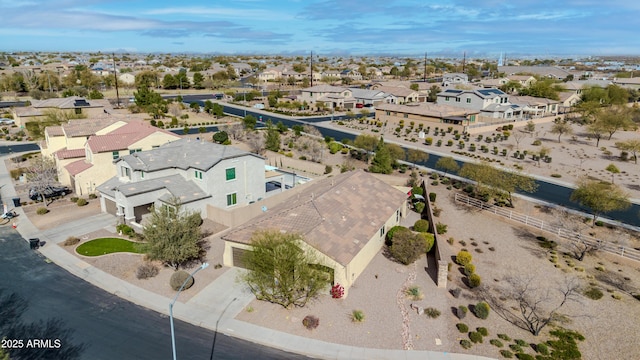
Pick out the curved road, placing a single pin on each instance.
(106, 326)
(547, 191)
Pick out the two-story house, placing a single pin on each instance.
(198, 173)
(493, 103)
(333, 97)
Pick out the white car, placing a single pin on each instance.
(5, 121)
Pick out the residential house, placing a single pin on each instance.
(629, 83)
(552, 72)
(75, 133)
(78, 105)
(270, 74)
(400, 94)
(368, 97)
(336, 220)
(493, 103)
(351, 74)
(536, 107)
(197, 173)
(454, 79)
(333, 97)
(95, 166)
(423, 115)
(492, 83)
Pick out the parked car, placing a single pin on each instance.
(48, 192)
(5, 121)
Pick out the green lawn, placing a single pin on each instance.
(105, 246)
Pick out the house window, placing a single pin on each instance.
(115, 155)
(446, 98)
(126, 172)
(388, 113)
(232, 199)
(142, 174)
(406, 116)
(231, 174)
(468, 100)
(131, 151)
(457, 99)
(198, 174)
(382, 231)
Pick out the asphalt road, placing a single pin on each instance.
(96, 323)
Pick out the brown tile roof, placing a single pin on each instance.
(65, 153)
(54, 131)
(88, 127)
(124, 136)
(336, 215)
(77, 167)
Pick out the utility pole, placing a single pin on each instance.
(424, 78)
(464, 59)
(115, 76)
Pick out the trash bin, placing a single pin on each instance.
(16, 202)
(34, 243)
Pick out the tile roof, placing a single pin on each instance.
(87, 127)
(65, 153)
(183, 154)
(122, 137)
(54, 131)
(176, 186)
(325, 89)
(77, 167)
(396, 90)
(336, 215)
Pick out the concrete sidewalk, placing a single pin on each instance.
(214, 307)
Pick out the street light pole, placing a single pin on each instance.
(173, 335)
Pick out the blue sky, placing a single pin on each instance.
(405, 27)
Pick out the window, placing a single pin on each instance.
(446, 98)
(231, 174)
(126, 172)
(382, 231)
(131, 151)
(232, 199)
(406, 116)
(468, 100)
(457, 99)
(198, 174)
(388, 113)
(115, 155)
(142, 174)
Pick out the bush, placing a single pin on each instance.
(74, 199)
(536, 143)
(461, 312)
(93, 196)
(476, 337)
(419, 207)
(504, 337)
(429, 240)
(409, 246)
(441, 228)
(474, 280)
(542, 349)
(432, 196)
(463, 257)
(357, 316)
(465, 343)
(148, 270)
(432, 312)
(417, 190)
(481, 310)
(125, 229)
(469, 269)
(520, 342)
(516, 348)
(496, 343)
(81, 202)
(310, 322)
(42, 210)
(506, 354)
(328, 169)
(483, 331)
(71, 240)
(462, 327)
(178, 278)
(337, 291)
(421, 225)
(523, 356)
(593, 293)
(414, 293)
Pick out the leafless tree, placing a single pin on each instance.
(256, 142)
(518, 136)
(312, 148)
(311, 130)
(175, 109)
(235, 130)
(577, 245)
(41, 173)
(531, 306)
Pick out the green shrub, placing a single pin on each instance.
(419, 207)
(481, 310)
(432, 196)
(178, 278)
(81, 202)
(432, 312)
(125, 229)
(474, 280)
(476, 337)
(429, 240)
(357, 316)
(328, 169)
(542, 349)
(42, 210)
(536, 143)
(417, 190)
(520, 342)
(93, 196)
(516, 348)
(593, 293)
(496, 343)
(421, 225)
(462, 327)
(407, 247)
(463, 257)
(504, 337)
(148, 270)
(523, 356)
(441, 228)
(414, 293)
(466, 344)
(506, 354)
(71, 240)
(483, 331)
(469, 269)
(461, 312)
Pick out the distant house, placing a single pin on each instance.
(78, 105)
(336, 220)
(333, 97)
(454, 79)
(524, 80)
(535, 107)
(399, 94)
(552, 72)
(127, 78)
(424, 115)
(198, 173)
(83, 171)
(351, 74)
(493, 103)
(369, 97)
